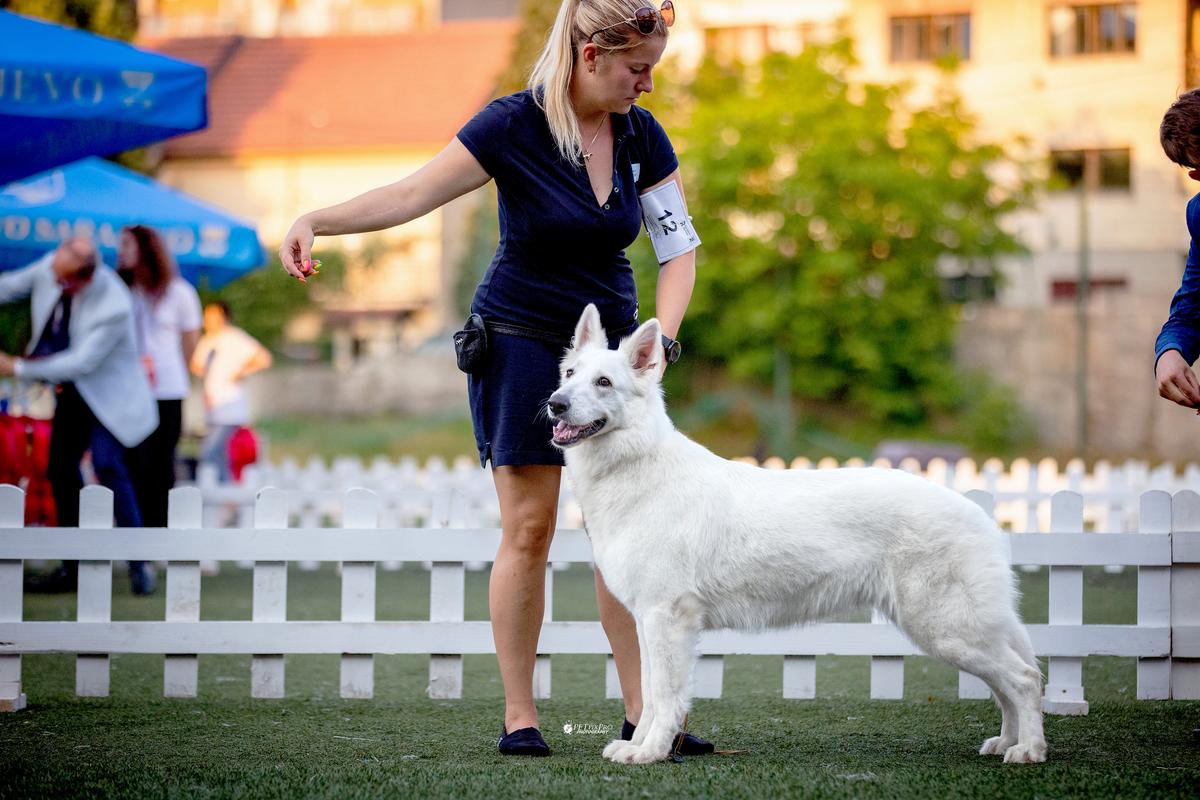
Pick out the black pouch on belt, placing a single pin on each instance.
(470, 344)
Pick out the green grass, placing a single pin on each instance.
(446, 435)
(223, 744)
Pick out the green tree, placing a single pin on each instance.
(114, 18)
(825, 207)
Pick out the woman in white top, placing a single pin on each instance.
(225, 356)
(167, 319)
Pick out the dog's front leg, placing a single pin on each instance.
(669, 647)
(644, 722)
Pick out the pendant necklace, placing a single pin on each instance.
(587, 153)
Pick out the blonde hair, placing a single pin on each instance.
(550, 81)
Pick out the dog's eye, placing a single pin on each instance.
(568, 373)
(603, 381)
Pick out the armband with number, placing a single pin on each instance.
(667, 222)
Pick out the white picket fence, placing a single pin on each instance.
(1021, 491)
(1165, 640)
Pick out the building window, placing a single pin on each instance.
(930, 37)
(744, 43)
(1101, 169)
(1085, 30)
(1067, 290)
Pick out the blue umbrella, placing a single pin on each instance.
(66, 94)
(96, 198)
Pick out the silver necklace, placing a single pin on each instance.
(587, 153)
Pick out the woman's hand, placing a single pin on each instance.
(1176, 381)
(296, 251)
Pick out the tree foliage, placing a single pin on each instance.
(113, 18)
(825, 207)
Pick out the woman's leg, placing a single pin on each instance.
(622, 638)
(528, 508)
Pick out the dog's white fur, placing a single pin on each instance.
(690, 541)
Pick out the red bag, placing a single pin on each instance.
(243, 451)
(24, 460)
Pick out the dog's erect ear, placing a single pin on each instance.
(589, 330)
(643, 347)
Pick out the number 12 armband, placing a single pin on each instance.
(667, 222)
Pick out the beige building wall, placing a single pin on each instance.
(1079, 102)
(1019, 92)
(411, 267)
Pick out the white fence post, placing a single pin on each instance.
(270, 595)
(541, 664)
(708, 676)
(1185, 596)
(447, 584)
(185, 511)
(887, 672)
(358, 595)
(969, 686)
(95, 591)
(1154, 598)
(12, 577)
(799, 677)
(1064, 685)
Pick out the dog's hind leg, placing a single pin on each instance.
(1009, 726)
(670, 634)
(989, 655)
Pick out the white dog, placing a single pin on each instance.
(689, 541)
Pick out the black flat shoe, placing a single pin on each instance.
(523, 742)
(690, 746)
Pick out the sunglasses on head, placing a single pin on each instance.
(645, 19)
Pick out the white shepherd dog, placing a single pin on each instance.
(689, 541)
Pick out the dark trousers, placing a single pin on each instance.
(152, 464)
(76, 430)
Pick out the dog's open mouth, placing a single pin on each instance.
(565, 435)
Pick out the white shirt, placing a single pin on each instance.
(222, 357)
(160, 326)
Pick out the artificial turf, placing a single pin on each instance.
(403, 744)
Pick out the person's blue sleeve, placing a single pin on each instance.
(658, 156)
(485, 134)
(1182, 329)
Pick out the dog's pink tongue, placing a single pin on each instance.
(560, 429)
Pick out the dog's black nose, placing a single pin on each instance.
(559, 404)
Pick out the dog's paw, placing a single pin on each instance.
(996, 746)
(622, 752)
(614, 749)
(1025, 753)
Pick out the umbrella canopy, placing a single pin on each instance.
(96, 198)
(65, 94)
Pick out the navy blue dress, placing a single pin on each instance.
(559, 250)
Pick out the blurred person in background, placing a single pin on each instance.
(166, 322)
(87, 348)
(224, 357)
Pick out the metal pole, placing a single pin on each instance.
(1081, 320)
(784, 418)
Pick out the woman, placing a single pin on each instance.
(166, 317)
(570, 157)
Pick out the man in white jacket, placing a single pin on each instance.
(84, 344)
